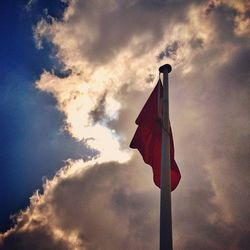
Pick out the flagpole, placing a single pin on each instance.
(165, 205)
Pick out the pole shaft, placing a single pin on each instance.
(165, 206)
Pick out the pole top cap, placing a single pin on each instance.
(166, 68)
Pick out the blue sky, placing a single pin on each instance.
(32, 146)
(67, 113)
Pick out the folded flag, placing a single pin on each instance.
(148, 136)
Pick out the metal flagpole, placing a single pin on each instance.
(165, 206)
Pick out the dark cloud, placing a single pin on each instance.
(99, 113)
(196, 42)
(210, 7)
(235, 73)
(170, 51)
(116, 206)
(106, 205)
(150, 78)
(107, 201)
(219, 97)
(125, 125)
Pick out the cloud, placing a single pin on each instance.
(29, 5)
(84, 206)
(110, 51)
(170, 51)
(83, 36)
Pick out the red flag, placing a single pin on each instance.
(147, 139)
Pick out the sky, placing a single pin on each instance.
(74, 76)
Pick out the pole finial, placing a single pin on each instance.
(166, 68)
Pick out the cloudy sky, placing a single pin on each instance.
(74, 76)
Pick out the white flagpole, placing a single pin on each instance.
(165, 206)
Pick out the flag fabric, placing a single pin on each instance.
(148, 136)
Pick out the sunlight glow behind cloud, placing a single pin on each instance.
(110, 52)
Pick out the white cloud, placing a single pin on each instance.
(110, 50)
(122, 50)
